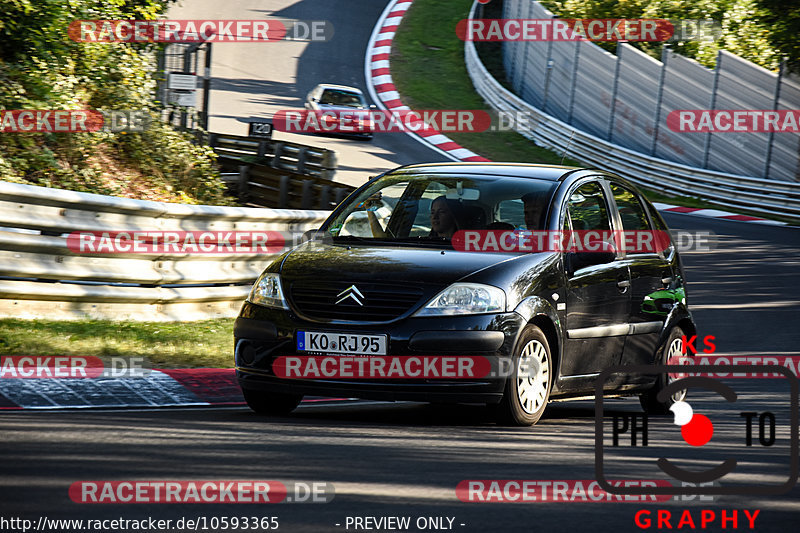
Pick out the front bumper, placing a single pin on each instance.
(262, 335)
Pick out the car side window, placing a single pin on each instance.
(328, 98)
(660, 225)
(630, 209)
(587, 208)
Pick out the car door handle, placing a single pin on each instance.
(624, 284)
(667, 280)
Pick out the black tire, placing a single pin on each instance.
(271, 403)
(532, 371)
(672, 346)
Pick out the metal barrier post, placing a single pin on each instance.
(276, 156)
(574, 81)
(301, 160)
(707, 146)
(283, 194)
(206, 86)
(341, 194)
(775, 102)
(324, 197)
(659, 97)
(308, 192)
(244, 170)
(610, 132)
(329, 164)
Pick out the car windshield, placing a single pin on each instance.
(342, 98)
(428, 209)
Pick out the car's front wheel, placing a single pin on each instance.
(271, 403)
(671, 348)
(528, 387)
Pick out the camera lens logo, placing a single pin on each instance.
(696, 429)
(730, 441)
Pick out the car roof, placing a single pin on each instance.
(340, 87)
(520, 170)
(566, 175)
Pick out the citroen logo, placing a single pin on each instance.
(350, 292)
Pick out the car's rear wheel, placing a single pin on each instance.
(528, 387)
(271, 403)
(671, 348)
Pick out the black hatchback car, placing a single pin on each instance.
(388, 276)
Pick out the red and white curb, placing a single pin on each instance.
(714, 213)
(383, 91)
(185, 387)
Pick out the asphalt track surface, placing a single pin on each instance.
(406, 459)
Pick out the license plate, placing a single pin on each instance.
(343, 343)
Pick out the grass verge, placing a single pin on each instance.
(429, 72)
(207, 343)
(428, 69)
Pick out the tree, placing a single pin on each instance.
(783, 18)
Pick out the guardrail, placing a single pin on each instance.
(281, 155)
(267, 186)
(40, 277)
(279, 174)
(728, 190)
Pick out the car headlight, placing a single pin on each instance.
(466, 299)
(267, 291)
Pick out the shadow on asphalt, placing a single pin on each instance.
(423, 415)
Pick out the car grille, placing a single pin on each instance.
(381, 301)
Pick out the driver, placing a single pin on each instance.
(534, 209)
(443, 217)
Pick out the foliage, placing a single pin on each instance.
(42, 68)
(783, 19)
(744, 30)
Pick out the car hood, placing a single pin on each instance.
(431, 267)
(322, 261)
